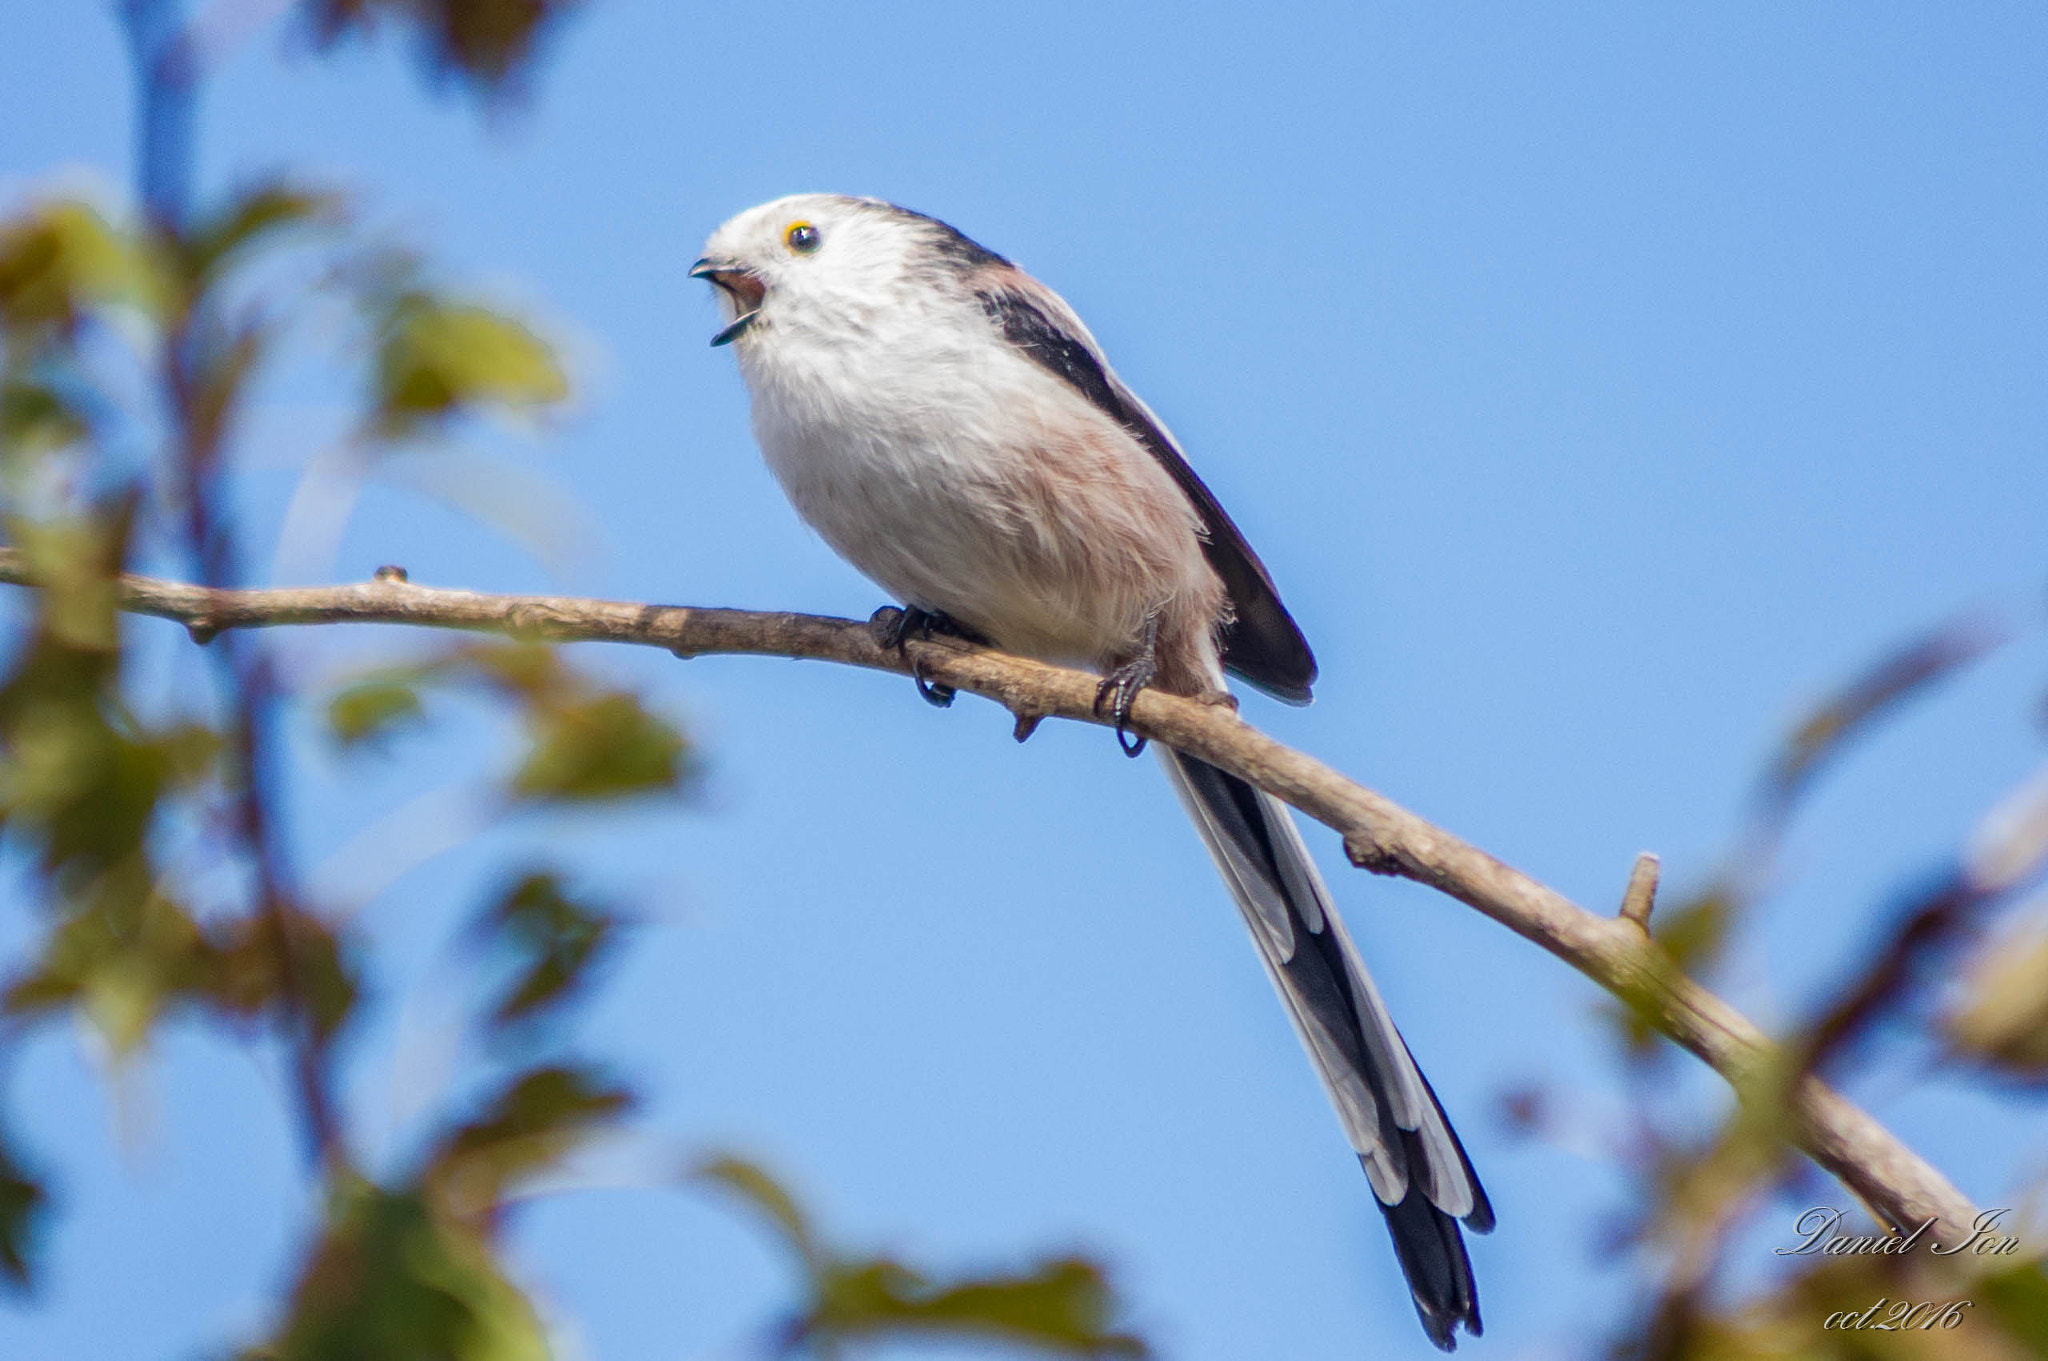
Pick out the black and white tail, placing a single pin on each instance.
(1418, 1170)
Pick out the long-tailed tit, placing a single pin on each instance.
(949, 426)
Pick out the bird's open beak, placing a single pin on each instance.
(742, 286)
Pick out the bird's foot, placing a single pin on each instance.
(1119, 689)
(894, 628)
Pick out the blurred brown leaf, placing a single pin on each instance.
(489, 43)
(1870, 697)
(247, 962)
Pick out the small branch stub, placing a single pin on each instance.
(1366, 853)
(1640, 897)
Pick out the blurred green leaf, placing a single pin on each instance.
(57, 261)
(2019, 1298)
(372, 709)
(553, 939)
(587, 742)
(36, 420)
(80, 783)
(251, 220)
(24, 1205)
(393, 1280)
(489, 43)
(607, 747)
(123, 959)
(1063, 1305)
(437, 359)
(1693, 932)
(524, 1130)
(77, 560)
(530, 671)
(753, 1184)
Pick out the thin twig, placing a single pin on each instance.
(1899, 1186)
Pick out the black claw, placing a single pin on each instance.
(938, 696)
(1124, 683)
(894, 628)
(1120, 691)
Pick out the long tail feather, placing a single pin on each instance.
(1418, 1170)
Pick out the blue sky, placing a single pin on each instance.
(1600, 387)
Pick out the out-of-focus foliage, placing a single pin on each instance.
(1866, 1308)
(149, 823)
(80, 783)
(553, 942)
(1898, 677)
(395, 1277)
(523, 1130)
(2002, 1020)
(255, 218)
(370, 710)
(22, 1204)
(58, 261)
(1062, 1306)
(486, 43)
(61, 264)
(586, 741)
(1692, 1195)
(437, 359)
(1692, 933)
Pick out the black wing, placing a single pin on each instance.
(1262, 644)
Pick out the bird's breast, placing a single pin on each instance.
(967, 480)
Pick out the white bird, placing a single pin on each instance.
(950, 428)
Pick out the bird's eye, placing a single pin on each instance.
(802, 237)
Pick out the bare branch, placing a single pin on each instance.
(1899, 1187)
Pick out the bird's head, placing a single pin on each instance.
(830, 260)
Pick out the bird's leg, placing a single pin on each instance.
(1119, 689)
(894, 628)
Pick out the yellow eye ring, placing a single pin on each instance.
(801, 237)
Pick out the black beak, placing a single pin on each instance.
(742, 285)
